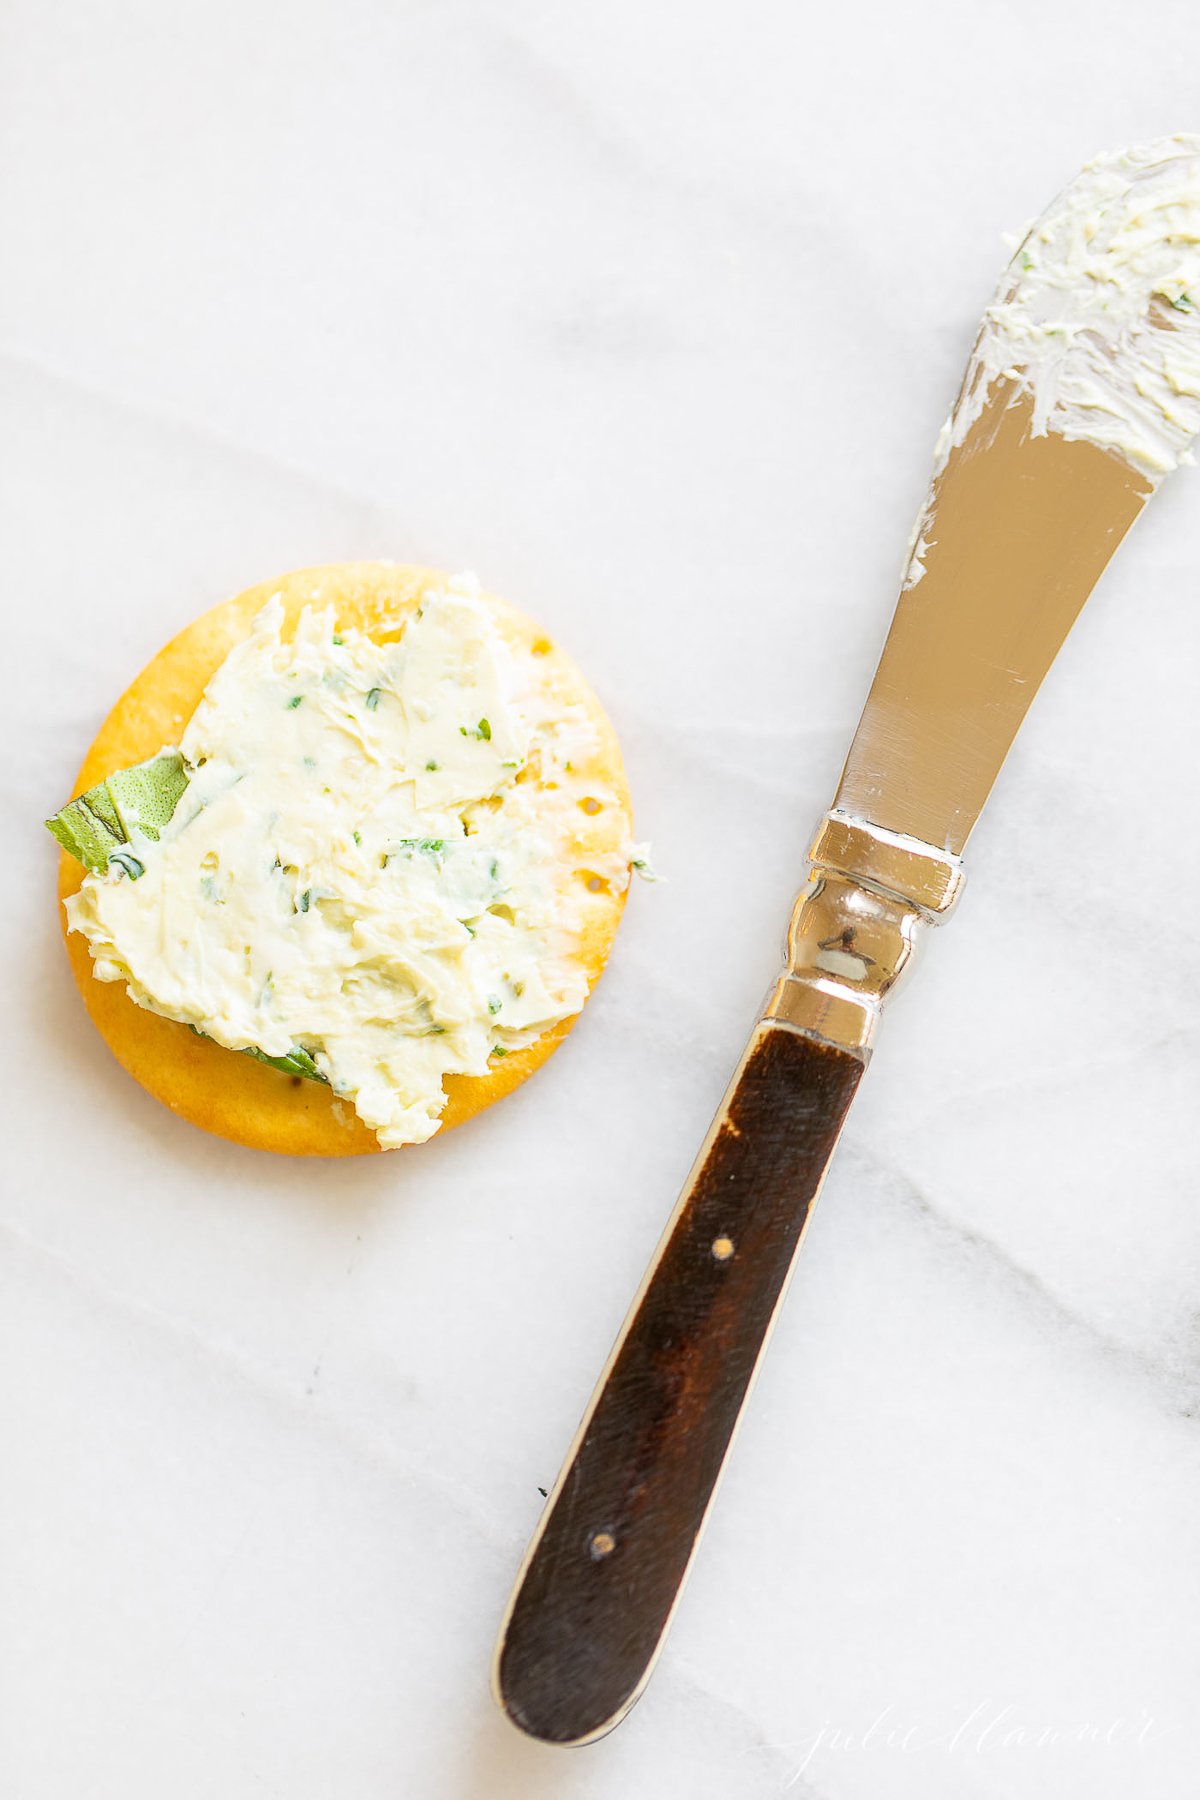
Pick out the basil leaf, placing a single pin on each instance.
(100, 822)
(298, 1061)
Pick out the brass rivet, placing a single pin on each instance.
(602, 1544)
(722, 1249)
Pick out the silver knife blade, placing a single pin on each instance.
(1083, 389)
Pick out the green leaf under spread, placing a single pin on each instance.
(96, 828)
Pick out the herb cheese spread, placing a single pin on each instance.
(1096, 321)
(1096, 318)
(371, 863)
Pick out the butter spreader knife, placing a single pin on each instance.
(1082, 390)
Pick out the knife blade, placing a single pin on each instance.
(1082, 391)
(1020, 530)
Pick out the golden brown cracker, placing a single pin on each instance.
(222, 1090)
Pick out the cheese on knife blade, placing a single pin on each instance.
(1096, 321)
(1074, 324)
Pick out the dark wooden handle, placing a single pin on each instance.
(605, 1568)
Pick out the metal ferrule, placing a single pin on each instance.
(856, 928)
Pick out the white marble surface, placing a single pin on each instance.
(648, 313)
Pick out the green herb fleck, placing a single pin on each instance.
(499, 1050)
(494, 1003)
(431, 765)
(125, 859)
(310, 762)
(357, 836)
(373, 699)
(305, 901)
(294, 702)
(338, 640)
(1183, 303)
(482, 730)
(414, 847)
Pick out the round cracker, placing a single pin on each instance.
(231, 1094)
